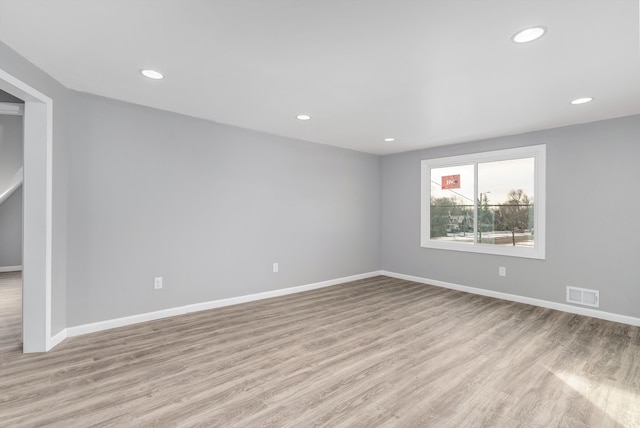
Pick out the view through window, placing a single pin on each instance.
(486, 202)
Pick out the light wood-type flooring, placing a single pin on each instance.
(375, 352)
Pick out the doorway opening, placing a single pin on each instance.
(36, 214)
(11, 205)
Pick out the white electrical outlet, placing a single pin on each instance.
(157, 283)
(275, 267)
(502, 271)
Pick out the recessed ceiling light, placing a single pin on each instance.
(303, 117)
(581, 100)
(152, 74)
(529, 34)
(389, 140)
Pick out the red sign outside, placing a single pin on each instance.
(451, 181)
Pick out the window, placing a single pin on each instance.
(491, 202)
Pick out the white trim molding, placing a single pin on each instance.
(624, 319)
(10, 268)
(196, 307)
(56, 339)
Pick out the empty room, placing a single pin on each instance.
(337, 213)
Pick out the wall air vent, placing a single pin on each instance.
(583, 296)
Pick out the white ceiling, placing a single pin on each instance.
(426, 72)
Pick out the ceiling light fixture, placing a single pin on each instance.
(581, 100)
(529, 34)
(303, 117)
(152, 74)
(389, 140)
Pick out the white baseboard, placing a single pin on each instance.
(181, 310)
(520, 299)
(10, 269)
(170, 312)
(56, 339)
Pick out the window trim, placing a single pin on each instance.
(538, 152)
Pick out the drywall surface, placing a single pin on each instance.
(10, 148)
(209, 208)
(11, 230)
(11, 209)
(591, 219)
(8, 98)
(22, 69)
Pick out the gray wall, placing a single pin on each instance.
(592, 213)
(8, 98)
(11, 230)
(11, 148)
(139, 193)
(11, 210)
(209, 208)
(22, 69)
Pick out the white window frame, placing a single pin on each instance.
(537, 152)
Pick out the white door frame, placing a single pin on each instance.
(36, 215)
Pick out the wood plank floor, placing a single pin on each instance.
(10, 314)
(376, 352)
